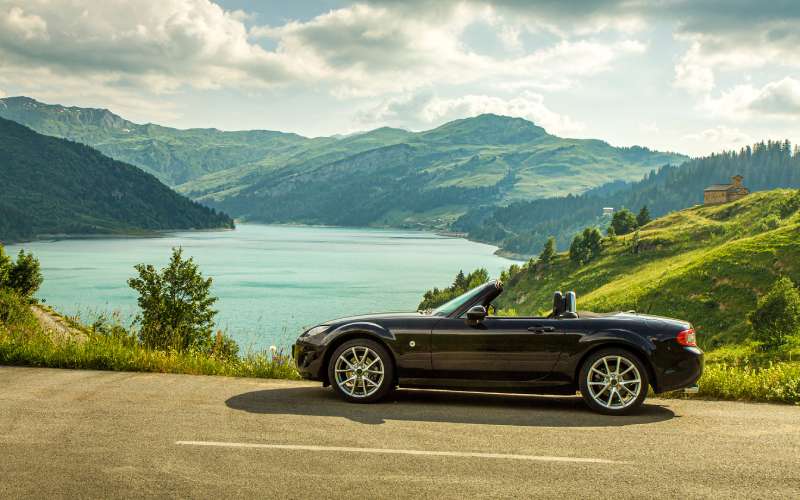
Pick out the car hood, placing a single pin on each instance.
(377, 317)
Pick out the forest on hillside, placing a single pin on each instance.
(55, 186)
(524, 227)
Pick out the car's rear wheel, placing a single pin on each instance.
(613, 381)
(361, 371)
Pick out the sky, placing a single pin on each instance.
(688, 76)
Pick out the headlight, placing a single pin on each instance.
(315, 331)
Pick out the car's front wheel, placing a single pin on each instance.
(613, 381)
(361, 371)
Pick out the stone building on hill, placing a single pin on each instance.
(723, 193)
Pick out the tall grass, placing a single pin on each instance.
(778, 382)
(23, 342)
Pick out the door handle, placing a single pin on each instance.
(541, 329)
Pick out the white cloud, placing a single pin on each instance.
(157, 46)
(721, 137)
(16, 22)
(425, 111)
(374, 50)
(139, 49)
(745, 102)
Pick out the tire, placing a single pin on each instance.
(602, 387)
(361, 382)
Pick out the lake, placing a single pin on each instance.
(272, 281)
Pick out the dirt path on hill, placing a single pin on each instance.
(56, 325)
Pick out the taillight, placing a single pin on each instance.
(687, 338)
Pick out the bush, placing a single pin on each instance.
(15, 311)
(5, 267)
(25, 276)
(777, 315)
(176, 305)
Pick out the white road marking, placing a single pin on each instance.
(388, 451)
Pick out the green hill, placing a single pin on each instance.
(707, 265)
(523, 227)
(54, 186)
(386, 177)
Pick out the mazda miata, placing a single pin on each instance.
(611, 359)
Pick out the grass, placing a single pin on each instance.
(24, 343)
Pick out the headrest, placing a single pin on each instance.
(570, 302)
(558, 304)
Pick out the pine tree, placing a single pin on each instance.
(643, 217)
(548, 252)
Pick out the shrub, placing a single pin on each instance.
(15, 311)
(5, 267)
(25, 276)
(777, 315)
(175, 305)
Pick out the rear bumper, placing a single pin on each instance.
(683, 371)
(309, 359)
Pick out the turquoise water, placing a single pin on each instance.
(271, 280)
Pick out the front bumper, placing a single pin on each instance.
(309, 357)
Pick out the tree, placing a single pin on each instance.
(643, 217)
(436, 297)
(593, 241)
(577, 250)
(548, 252)
(25, 276)
(777, 314)
(175, 305)
(623, 222)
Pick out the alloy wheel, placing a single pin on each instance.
(614, 382)
(359, 371)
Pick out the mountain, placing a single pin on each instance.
(706, 264)
(523, 227)
(53, 186)
(384, 177)
(425, 179)
(172, 155)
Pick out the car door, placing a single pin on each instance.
(495, 349)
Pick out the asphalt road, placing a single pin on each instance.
(70, 433)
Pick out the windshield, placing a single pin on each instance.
(449, 307)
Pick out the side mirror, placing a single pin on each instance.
(476, 314)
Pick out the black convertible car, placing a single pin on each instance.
(611, 359)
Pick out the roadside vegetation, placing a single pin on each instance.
(173, 333)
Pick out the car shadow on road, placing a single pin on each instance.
(443, 406)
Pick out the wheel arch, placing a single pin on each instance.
(638, 351)
(350, 334)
